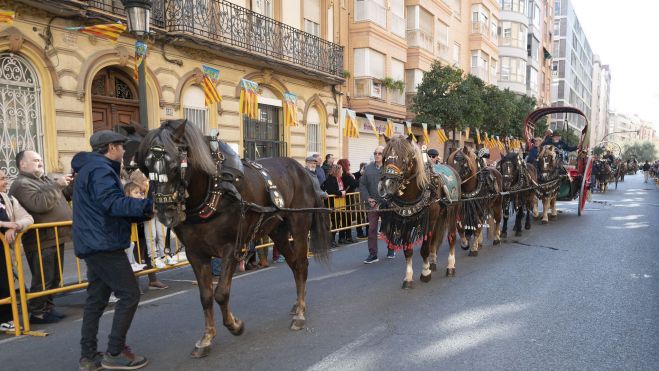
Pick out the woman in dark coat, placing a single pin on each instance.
(334, 186)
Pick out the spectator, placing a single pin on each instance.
(360, 215)
(133, 190)
(532, 156)
(327, 165)
(311, 165)
(433, 155)
(350, 184)
(368, 189)
(46, 200)
(334, 186)
(102, 217)
(320, 173)
(646, 171)
(13, 219)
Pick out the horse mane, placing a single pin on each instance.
(199, 156)
(470, 156)
(402, 146)
(510, 156)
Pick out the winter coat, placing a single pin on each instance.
(46, 201)
(102, 214)
(368, 184)
(16, 212)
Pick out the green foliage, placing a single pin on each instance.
(345, 74)
(598, 151)
(399, 85)
(569, 136)
(641, 151)
(388, 82)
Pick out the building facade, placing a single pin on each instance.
(625, 128)
(58, 86)
(599, 119)
(572, 67)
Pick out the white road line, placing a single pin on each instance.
(11, 339)
(215, 279)
(337, 274)
(330, 362)
(147, 301)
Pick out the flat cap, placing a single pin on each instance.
(103, 137)
(310, 159)
(432, 152)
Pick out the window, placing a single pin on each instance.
(369, 63)
(456, 53)
(419, 28)
(513, 34)
(371, 10)
(311, 27)
(442, 33)
(398, 17)
(536, 15)
(513, 5)
(413, 79)
(532, 84)
(263, 7)
(194, 108)
(313, 131)
(398, 74)
(312, 17)
(513, 69)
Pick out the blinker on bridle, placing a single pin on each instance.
(157, 161)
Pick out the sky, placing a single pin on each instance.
(625, 34)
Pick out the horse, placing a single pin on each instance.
(517, 175)
(604, 176)
(415, 190)
(477, 183)
(177, 156)
(548, 182)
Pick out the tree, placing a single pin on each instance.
(597, 151)
(645, 151)
(568, 135)
(499, 109)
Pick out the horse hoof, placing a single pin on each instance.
(433, 267)
(496, 242)
(518, 233)
(552, 217)
(239, 329)
(425, 279)
(464, 247)
(527, 226)
(450, 272)
(297, 324)
(473, 253)
(544, 222)
(200, 352)
(408, 285)
(504, 234)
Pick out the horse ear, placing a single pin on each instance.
(179, 132)
(410, 138)
(386, 138)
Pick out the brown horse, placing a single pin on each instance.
(604, 176)
(411, 188)
(178, 157)
(517, 175)
(477, 183)
(548, 184)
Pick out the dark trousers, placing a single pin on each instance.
(108, 272)
(51, 277)
(373, 233)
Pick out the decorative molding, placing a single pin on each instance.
(196, 74)
(315, 101)
(124, 56)
(259, 77)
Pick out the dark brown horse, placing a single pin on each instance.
(517, 175)
(483, 186)
(548, 184)
(411, 188)
(178, 157)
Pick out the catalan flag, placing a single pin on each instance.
(249, 102)
(408, 125)
(371, 121)
(103, 31)
(389, 130)
(467, 131)
(7, 16)
(290, 109)
(478, 137)
(351, 130)
(426, 138)
(441, 135)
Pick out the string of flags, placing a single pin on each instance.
(7, 16)
(109, 32)
(426, 138)
(389, 130)
(290, 109)
(351, 130)
(441, 135)
(408, 125)
(249, 102)
(211, 77)
(371, 120)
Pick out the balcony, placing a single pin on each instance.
(369, 88)
(369, 10)
(480, 72)
(219, 23)
(418, 38)
(443, 51)
(397, 96)
(397, 25)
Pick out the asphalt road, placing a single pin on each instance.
(578, 293)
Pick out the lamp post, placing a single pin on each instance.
(620, 132)
(138, 14)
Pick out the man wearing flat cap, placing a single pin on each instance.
(310, 163)
(433, 155)
(102, 217)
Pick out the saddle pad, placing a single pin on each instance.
(449, 180)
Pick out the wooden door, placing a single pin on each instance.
(114, 99)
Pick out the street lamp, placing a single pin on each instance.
(138, 14)
(620, 132)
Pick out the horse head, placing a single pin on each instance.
(464, 161)
(547, 160)
(509, 166)
(170, 155)
(402, 162)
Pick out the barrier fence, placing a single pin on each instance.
(16, 274)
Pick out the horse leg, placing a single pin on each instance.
(496, 215)
(529, 209)
(545, 209)
(426, 273)
(519, 215)
(408, 282)
(464, 241)
(434, 246)
(201, 267)
(450, 267)
(534, 203)
(297, 260)
(222, 293)
(554, 209)
(473, 251)
(506, 215)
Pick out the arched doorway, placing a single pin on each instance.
(114, 99)
(20, 111)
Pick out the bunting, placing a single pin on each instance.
(109, 32)
(389, 131)
(7, 16)
(249, 100)
(140, 55)
(211, 76)
(441, 135)
(351, 130)
(467, 131)
(290, 109)
(408, 125)
(499, 144)
(371, 120)
(487, 142)
(426, 138)
(478, 137)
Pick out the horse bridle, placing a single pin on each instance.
(392, 172)
(158, 160)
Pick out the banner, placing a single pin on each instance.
(487, 142)
(351, 130)
(109, 32)
(441, 135)
(426, 138)
(478, 137)
(290, 109)
(408, 125)
(211, 76)
(140, 56)
(249, 100)
(371, 120)
(467, 131)
(389, 131)
(7, 16)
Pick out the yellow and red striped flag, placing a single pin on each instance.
(426, 137)
(249, 101)
(478, 137)
(103, 31)
(441, 135)
(371, 121)
(211, 76)
(351, 130)
(408, 125)
(7, 16)
(467, 131)
(290, 109)
(389, 130)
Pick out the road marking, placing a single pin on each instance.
(194, 282)
(330, 362)
(12, 339)
(147, 301)
(337, 274)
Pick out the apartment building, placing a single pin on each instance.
(70, 85)
(627, 128)
(572, 67)
(599, 120)
(389, 45)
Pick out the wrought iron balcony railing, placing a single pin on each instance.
(222, 22)
(117, 7)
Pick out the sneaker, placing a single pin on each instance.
(371, 259)
(137, 267)
(93, 364)
(45, 319)
(160, 264)
(7, 326)
(56, 313)
(170, 260)
(391, 254)
(280, 259)
(125, 360)
(181, 257)
(113, 299)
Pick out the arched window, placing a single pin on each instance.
(313, 131)
(20, 110)
(194, 108)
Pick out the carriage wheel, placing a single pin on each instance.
(585, 183)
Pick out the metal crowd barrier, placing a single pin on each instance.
(339, 221)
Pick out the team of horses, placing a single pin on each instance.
(423, 203)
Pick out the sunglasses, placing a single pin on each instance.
(432, 156)
(377, 153)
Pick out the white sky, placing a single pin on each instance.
(625, 35)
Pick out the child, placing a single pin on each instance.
(135, 191)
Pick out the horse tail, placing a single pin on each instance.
(320, 233)
(448, 223)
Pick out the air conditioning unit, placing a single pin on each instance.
(554, 73)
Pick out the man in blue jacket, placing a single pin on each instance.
(102, 217)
